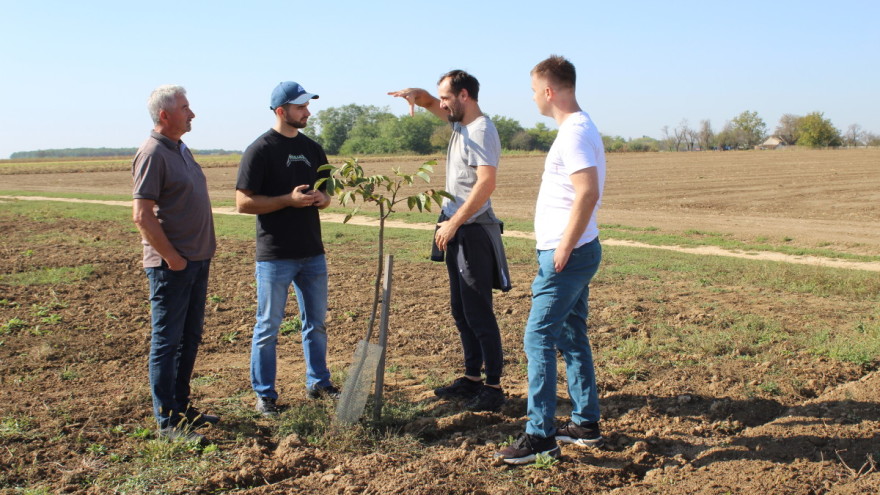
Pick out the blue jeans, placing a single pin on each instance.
(177, 302)
(558, 321)
(309, 279)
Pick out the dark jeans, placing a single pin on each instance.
(177, 302)
(470, 261)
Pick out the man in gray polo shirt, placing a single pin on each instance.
(172, 211)
(470, 235)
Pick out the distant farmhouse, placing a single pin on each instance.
(772, 143)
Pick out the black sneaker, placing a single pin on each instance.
(488, 399)
(461, 388)
(267, 406)
(320, 392)
(197, 419)
(586, 434)
(526, 449)
(181, 433)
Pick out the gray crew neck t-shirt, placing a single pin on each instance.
(476, 144)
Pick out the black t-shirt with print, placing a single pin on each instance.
(271, 166)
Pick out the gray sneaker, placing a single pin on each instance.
(267, 406)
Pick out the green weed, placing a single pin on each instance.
(293, 326)
(97, 449)
(15, 427)
(14, 324)
(69, 374)
(544, 461)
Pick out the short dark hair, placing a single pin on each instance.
(459, 80)
(557, 70)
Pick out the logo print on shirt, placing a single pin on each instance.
(298, 158)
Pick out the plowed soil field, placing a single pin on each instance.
(716, 417)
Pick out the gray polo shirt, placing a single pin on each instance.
(167, 173)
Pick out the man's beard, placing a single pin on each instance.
(455, 114)
(298, 124)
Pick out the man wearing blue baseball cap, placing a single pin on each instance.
(276, 179)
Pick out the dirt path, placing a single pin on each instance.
(702, 250)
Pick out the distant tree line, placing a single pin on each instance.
(365, 129)
(747, 130)
(368, 130)
(98, 152)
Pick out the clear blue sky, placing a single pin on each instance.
(77, 74)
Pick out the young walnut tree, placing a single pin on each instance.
(349, 183)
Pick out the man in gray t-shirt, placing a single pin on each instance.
(172, 211)
(470, 235)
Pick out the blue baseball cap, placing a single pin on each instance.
(289, 92)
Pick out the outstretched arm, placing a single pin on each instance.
(420, 97)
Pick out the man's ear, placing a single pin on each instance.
(463, 94)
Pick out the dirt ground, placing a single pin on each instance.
(695, 427)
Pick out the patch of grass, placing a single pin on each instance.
(51, 211)
(309, 420)
(69, 374)
(159, 466)
(859, 344)
(397, 411)
(204, 380)
(49, 276)
(12, 427)
(292, 326)
(630, 373)
(771, 388)
(621, 263)
(632, 349)
(13, 325)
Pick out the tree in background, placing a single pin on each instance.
(668, 139)
(854, 135)
(643, 143)
(507, 128)
(752, 129)
(732, 137)
(817, 132)
(787, 129)
(386, 133)
(705, 136)
(614, 144)
(333, 125)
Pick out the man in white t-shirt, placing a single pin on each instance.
(470, 235)
(568, 256)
